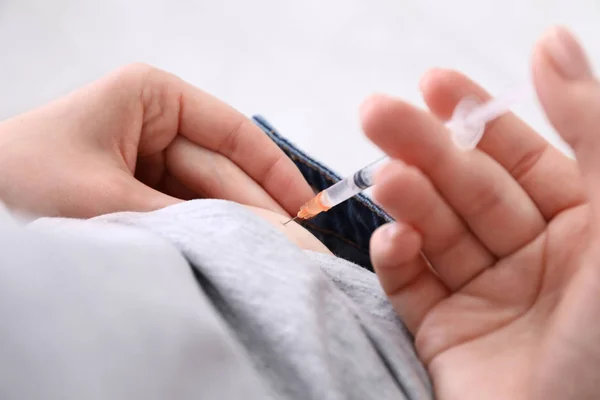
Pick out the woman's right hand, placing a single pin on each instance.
(512, 230)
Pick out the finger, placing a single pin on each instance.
(481, 192)
(413, 289)
(549, 177)
(212, 175)
(173, 187)
(408, 196)
(115, 191)
(172, 105)
(151, 171)
(570, 96)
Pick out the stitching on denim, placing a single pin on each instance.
(295, 153)
(313, 167)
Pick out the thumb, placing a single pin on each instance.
(570, 97)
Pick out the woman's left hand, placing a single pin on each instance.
(141, 139)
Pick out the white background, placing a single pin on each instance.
(305, 65)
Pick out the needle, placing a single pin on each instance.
(293, 219)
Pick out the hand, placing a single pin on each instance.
(511, 229)
(141, 139)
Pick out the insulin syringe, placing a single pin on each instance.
(466, 125)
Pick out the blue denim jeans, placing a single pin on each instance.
(345, 229)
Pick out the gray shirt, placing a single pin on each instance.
(199, 300)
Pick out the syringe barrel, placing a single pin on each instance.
(353, 185)
(364, 177)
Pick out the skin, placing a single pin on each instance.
(293, 231)
(509, 305)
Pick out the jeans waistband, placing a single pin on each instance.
(345, 229)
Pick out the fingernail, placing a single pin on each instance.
(567, 54)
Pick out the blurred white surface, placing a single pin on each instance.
(306, 65)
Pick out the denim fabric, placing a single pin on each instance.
(345, 229)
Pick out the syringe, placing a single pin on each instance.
(466, 125)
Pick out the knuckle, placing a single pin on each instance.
(487, 198)
(133, 77)
(272, 174)
(230, 142)
(135, 70)
(527, 162)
